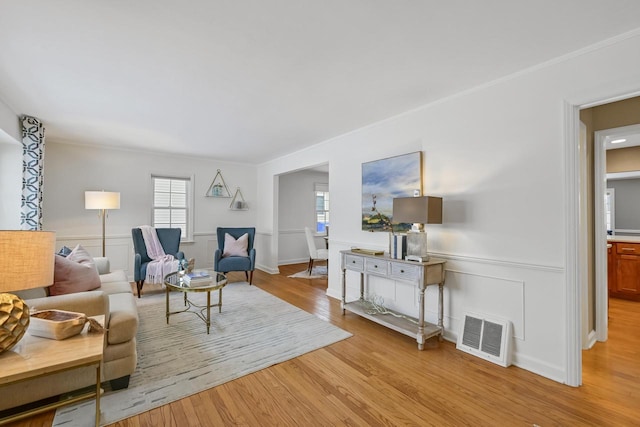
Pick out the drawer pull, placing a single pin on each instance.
(629, 249)
(375, 266)
(353, 262)
(401, 271)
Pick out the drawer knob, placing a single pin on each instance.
(375, 266)
(353, 262)
(401, 271)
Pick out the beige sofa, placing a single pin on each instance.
(115, 300)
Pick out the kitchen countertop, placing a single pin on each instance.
(624, 239)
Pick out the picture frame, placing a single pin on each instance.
(382, 181)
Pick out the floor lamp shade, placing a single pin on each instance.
(26, 262)
(103, 201)
(417, 211)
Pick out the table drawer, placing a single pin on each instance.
(627, 248)
(375, 266)
(352, 262)
(404, 271)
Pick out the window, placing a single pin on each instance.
(609, 210)
(322, 207)
(173, 204)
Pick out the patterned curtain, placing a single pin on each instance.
(32, 173)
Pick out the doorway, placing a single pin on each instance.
(298, 208)
(611, 126)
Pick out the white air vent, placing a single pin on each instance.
(488, 338)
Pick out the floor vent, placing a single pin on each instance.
(488, 338)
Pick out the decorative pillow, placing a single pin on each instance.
(75, 273)
(81, 256)
(233, 247)
(64, 251)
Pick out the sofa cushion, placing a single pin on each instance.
(70, 276)
(111, 288)
(92, 303)
(114, 276)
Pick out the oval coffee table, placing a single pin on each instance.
(175, 282)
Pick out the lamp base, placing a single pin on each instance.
(14, 320)
(417, 246)
(416, 258)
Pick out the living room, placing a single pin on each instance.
(499, 150)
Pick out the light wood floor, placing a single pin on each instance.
(378, 377)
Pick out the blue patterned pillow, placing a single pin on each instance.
(64, 251)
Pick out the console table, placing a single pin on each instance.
(422, 274)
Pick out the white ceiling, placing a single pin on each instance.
(250, 80)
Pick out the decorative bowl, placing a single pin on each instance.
(56, 324)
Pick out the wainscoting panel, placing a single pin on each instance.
(292, 246)
(530, 295)
(488, 295)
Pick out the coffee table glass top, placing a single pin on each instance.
(177, 282)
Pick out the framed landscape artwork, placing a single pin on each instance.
(382, 181)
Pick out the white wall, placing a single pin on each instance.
(296, 210)
(70, 170)
(10, 169)
(496, 155)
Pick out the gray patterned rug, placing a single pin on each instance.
(254, 331)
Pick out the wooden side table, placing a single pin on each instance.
(35, 357)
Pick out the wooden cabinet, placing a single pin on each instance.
(626, 283)
(611, 267)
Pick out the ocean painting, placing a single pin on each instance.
(382, 181)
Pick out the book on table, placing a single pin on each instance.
(197, 278)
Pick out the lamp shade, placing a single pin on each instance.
(420, 210)
(26, 259)
(101, 200)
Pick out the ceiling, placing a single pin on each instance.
(624, 141)
(251, 80)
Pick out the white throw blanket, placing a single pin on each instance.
(161, 264)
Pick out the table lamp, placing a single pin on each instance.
(102, 200)
(417, 211)
(26, 262)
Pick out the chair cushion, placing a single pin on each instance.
(233, 247)
(234, 263)
(75, 273)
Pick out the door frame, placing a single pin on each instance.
(601, 138)
(575, 270)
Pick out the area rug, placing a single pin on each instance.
(318, 272)
(254, 331)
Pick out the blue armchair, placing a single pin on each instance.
(235, 263)
(169, 239)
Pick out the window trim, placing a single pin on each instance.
(319, 187)
(190, 179)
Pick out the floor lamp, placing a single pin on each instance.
(103, 201)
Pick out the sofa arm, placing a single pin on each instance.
(92, 303)
(102, 264)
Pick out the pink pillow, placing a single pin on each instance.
(81, 256)
(233, 247)
(75, 273)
